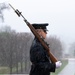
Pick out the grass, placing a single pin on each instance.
(64, 63)
(6, 70)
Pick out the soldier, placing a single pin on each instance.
(41, 64)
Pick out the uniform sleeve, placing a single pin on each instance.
(38, 58)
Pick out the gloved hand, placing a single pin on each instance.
(58, 64)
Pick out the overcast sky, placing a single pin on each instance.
(60, 14)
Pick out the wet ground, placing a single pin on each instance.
(69, 69)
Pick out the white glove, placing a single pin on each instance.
(58, 64)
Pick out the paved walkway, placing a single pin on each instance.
(69, 69)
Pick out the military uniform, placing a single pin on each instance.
(41, 64)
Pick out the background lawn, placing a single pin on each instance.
(6, 70)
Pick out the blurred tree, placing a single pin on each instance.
(15, 47)
(72, 49)
(55, 46)
(3, 6)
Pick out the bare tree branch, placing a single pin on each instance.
(3, 6)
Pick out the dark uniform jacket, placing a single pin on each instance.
(41, 64)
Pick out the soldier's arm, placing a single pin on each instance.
(38, 59)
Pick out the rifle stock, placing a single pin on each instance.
(52, 57)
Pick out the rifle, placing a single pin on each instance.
(51, 56)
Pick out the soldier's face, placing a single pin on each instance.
(43, 34)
